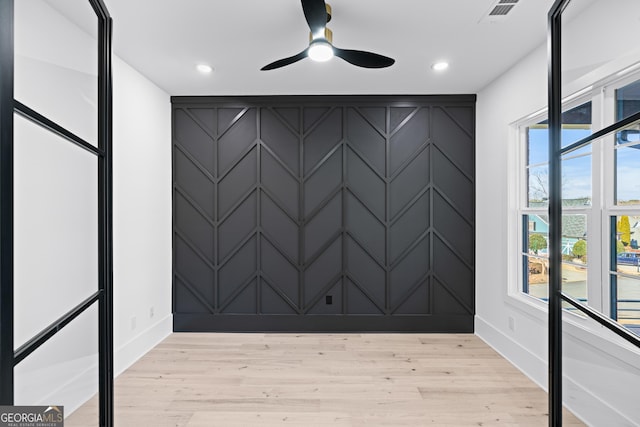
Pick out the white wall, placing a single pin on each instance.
(601, 372)
(142, 214)
(56, 210)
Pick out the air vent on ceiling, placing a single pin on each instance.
(499, 10)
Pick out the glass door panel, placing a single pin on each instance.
(64, 372)
(55, 227)
(56, 74)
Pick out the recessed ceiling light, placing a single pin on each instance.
(204, 68)
(440, 66)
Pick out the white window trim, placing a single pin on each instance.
(602, 96)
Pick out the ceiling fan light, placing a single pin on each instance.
(320, 51)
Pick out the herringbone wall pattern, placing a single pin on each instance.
(353, 209)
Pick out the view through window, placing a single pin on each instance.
(625, 225)
(600, 202)
(576, 201)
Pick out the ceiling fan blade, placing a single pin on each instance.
(363, 59)
(315, 11)
(286, 61)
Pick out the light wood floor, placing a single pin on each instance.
(304, 380)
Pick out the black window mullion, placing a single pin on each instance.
(40, 338)
(52, 126)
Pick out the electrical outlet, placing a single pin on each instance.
(151, 312)
(328, 299)
(133, 323)
(512, 323)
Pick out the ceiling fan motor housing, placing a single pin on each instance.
(328, 36)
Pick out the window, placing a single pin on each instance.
(600, 201)
(624, 270)
(576, 201)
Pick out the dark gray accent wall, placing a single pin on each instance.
(339, 213)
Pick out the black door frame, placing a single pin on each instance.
(103, 152)
(556, 151)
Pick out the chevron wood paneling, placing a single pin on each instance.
(324, 213)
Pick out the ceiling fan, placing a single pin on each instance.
(318, 13)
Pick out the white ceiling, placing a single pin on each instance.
(165, 39)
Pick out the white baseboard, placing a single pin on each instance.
(128, 353)
(528, 363)
(588, 407)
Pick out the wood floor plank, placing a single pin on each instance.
(268, 419)
(196, 379)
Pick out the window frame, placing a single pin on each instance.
(602, 95)
(611, 208)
